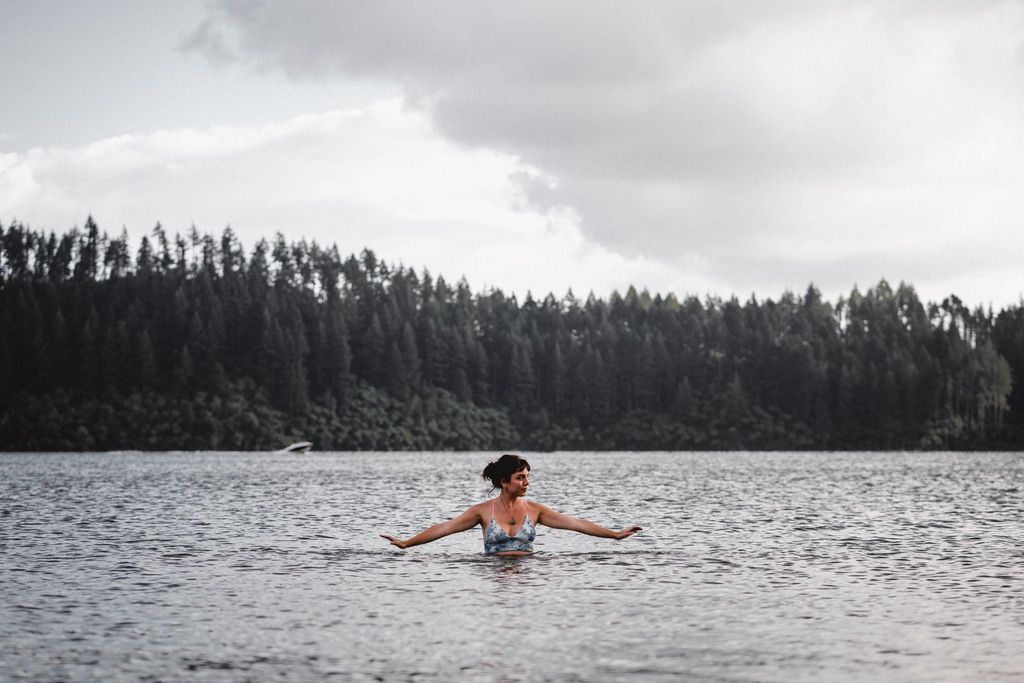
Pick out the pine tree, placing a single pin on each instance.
(369, 359)
(88, 252)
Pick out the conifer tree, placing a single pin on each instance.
(352, 348)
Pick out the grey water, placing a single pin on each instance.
(751, 567)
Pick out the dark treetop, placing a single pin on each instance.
(194, 344)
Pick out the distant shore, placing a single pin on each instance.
(194, 344)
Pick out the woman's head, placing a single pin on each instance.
(501, 470)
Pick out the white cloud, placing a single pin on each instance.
(775, 144)
(378, 177)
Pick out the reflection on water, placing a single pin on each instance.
(512, 572)
(781, 566)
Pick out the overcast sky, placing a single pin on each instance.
(691, 147)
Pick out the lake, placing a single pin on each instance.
(751, 567)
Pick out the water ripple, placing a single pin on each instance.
(781, 566)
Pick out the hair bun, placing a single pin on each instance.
(502, 469)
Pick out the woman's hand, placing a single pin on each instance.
(626, 533)
(394, 541)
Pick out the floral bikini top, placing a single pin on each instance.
(497, 540)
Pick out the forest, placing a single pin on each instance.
(191, 342)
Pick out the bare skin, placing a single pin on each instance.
(510, 510)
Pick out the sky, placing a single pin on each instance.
(698, 148)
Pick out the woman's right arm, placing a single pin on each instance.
(467, 520)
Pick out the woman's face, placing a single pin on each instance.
(517, 483)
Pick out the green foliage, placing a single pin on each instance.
(195, 345)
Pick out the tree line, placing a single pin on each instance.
(191, 342)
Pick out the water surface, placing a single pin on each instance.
(752, 567)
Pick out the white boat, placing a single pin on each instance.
(297, 447)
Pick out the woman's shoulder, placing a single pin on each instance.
(535, 506)
(481, 507)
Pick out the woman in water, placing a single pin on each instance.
(508, 520)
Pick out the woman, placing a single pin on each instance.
(508, 520)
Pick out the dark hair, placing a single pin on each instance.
(502, 469)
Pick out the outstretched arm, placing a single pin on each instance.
(467, 520)
(556, 520)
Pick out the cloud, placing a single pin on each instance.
(843, 141)
(377, 177)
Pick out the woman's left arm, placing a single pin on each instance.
(557, 520)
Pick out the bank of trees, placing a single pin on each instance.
(189, 341)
